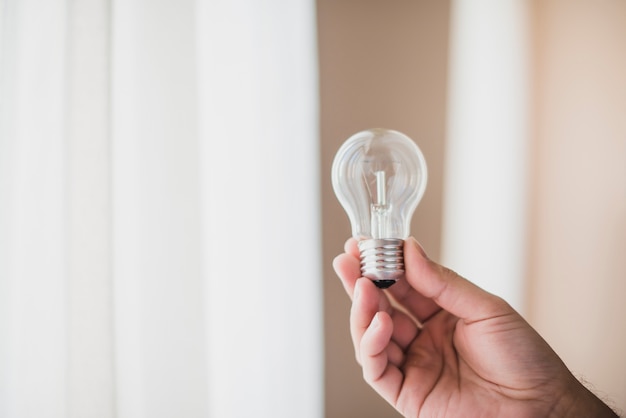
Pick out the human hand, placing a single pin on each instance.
(434, 344)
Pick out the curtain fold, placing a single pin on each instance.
(33, 236)
(157, 277)
(258, 101)
(487, 151)
(159, 220)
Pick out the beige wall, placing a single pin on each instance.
(577, 257)
(382, 64)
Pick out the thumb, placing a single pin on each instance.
(447, 289)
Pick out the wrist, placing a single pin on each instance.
(578, 401)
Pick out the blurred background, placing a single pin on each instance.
(167, 223)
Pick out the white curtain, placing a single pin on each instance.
(159, 222)
(486, 167)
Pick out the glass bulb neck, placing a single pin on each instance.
(382, 260)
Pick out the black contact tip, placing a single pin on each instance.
(383, 284)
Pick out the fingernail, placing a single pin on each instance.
(357, 290)
(375, 321)
(418, 247)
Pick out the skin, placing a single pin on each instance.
(434, 344)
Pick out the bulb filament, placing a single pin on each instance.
(381, 192)
(380, 208)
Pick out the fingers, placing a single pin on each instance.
(428, 286)
(348, 269)
(373, 347)
(351, 247)
(447, 289)
(367, 301)
(421, 307)
(372, 331)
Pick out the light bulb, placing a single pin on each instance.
(379, 177)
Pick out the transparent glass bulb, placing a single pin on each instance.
(379, 177)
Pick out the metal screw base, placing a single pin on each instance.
(382, 260)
